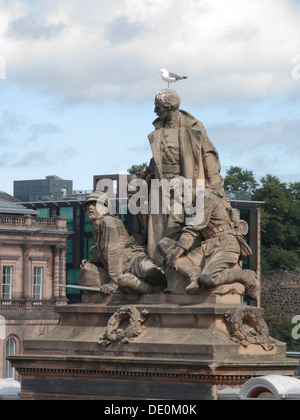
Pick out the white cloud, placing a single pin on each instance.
(269, 147)
(32, 159)
(43, 158)
(238, 55)
(94, 50)
(42, 130)
(10, 124)
(31, 27)
(122, 31)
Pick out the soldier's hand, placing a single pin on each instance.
(109, 289)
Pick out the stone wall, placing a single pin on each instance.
(281, 288)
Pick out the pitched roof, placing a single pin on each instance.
(8, 197)
(10, 207)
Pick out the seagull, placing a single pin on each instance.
(170, 77)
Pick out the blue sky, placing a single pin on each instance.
(81, 76)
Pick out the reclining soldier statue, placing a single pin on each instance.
(121, 263)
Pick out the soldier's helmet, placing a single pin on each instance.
(100, 198)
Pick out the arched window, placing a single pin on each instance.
(10, 351)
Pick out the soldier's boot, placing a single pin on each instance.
(130, 283)
(155, 276)
(192, 273)
(192, 288)
(228, 276)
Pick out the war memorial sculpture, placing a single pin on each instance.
(165, 319)
(207, 253)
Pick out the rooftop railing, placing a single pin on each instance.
(11, 304)
(79, 195)
(33, 223)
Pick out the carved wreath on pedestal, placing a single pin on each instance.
(114, 330)
(247, 326)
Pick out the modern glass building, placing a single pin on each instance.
(50, 188)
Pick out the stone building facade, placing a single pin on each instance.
(32, 266)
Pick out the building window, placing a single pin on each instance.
(37, 282)
(10, 351)
(44, 212)
(7, 281)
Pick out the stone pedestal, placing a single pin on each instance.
(150, 347)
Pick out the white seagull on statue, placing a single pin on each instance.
(170, 77)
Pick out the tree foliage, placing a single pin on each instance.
(280, 222)
(280, 215)
(238, 179)
(281, 326)
(136, 169)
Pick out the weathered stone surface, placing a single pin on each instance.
(281, 289)
(179, 348)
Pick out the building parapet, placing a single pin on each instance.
(11, 304)
(31, 223)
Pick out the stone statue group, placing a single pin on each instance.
(204, 251)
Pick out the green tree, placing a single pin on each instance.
(280, 223)
(295, 191)
(136, 169)
(238, 179)
(280, 327)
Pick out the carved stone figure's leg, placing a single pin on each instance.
(189, 267)
(166, 246)
(228, 276)
(218, 254)
(145, 269)
(128, 282)
(191, 273)
(142, 277)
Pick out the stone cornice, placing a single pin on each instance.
(34, 232)
(61, 366)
